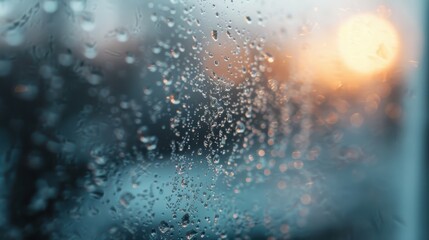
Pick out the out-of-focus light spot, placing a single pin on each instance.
(50, 6)
(5, 8)
(367, 44)
(283, 167)
(284, 228)
(356, 120)
(130, 59)
(298, 164)
(90, 51)
(14, 37)
(305, 199)
(5, 67)
(87, 22)
(393, 111)
(77, 5)
(267, 172)
(281, 185)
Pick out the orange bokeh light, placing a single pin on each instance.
(367, 44)
(363, 47)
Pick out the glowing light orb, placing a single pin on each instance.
(367, 44)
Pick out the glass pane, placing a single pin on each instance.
(212, 119)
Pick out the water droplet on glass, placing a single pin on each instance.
(229, 118)
(216, 159)
(50, 6)
(90, 51)
(65, 59)
(87, 22)
(170, 22)
(191, 234)
(240, 127)
(248, 19)
(14, 37)
(97, 194)
(149, 141)
(121, 35)
(163, 227)
(126, 199)
(174, 99)
(214, 35)
(269, 57)
(77, 5)
(185, 220)
(5, 8)
(130, 59)
(167, 82)
(153, 17)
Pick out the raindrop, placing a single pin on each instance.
(77, 5)
(152, 68)
(240, 127)
(90, 51)
(97, 194)
(121, 35)
(200, 151)
(214, 35)
(170, 22)
(94, 78)
(87, 22)
(269, 57)
(248, 19)
(228, 33)
(148, 140)
(130, 59)
(65, 59)
(163, 227)
(216, 159)
(191, 234)
(156, 50)
(167, 82)
(152, 143)
(174, 99)
(185, 220)
(229, 118)
(126, 199)
(100, 160)
(5, 7)
(153, 17)
(14, 37)
(50, 6)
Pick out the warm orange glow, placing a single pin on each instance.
(367, 44)
(350, 56)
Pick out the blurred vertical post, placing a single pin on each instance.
(424, 217)
(413, 162)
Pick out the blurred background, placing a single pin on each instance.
(241, 119)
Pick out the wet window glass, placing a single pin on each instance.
(204, 119)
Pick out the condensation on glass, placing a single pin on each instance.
(203, 119)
